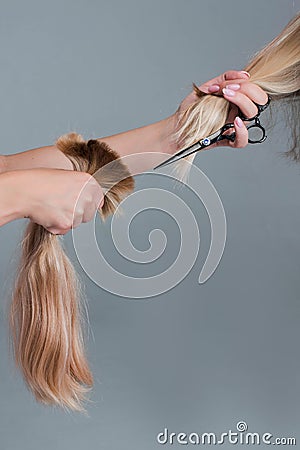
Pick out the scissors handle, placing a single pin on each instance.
(256, 124)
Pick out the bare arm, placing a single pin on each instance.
(9, 206)
(154, 138)
(47, 157)
(33, 185)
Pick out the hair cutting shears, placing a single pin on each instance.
(257, 134)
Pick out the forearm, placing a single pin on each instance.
(46, 157)
(149, 138)
(10, 209)
(153, 141)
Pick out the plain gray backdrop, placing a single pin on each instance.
(197, 358)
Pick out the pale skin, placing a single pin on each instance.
(40, 184)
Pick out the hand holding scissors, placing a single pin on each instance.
(247, 100)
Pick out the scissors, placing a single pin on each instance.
(257, 134)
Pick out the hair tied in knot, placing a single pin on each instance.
(91, 143)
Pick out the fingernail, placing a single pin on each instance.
(234, 87)
(238, 121)
(246, 73)
(228, 92)
(213, 88)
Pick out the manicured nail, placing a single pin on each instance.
(213, 88)
(228, 92)
(234, 87)
(238, 121)
(247, 73)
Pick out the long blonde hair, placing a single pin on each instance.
(47, 311)
(275, 68)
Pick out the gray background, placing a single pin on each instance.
(197, 358)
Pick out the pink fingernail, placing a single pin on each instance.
(228, 92)
(213, 88)
(238, 121)
(234, 87)
(246, 73)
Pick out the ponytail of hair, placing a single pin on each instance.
(47, 311)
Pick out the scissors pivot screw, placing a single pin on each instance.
(205, 141)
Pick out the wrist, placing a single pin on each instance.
(168, 142)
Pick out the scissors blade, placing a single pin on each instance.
(181, 154)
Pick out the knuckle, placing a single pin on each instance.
(64, 224)
(93, 201)
(88, 217)
(86, 197)
(79, 212)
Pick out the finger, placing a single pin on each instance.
(233, 74)
(214, 84)
(96, 192)
(89, 213)
(242, 101)
(78, 213)
(241, 134)
(251, 90)
(87, 210)
(90, 199)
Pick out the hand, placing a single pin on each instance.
(236, 88)
(56, 199)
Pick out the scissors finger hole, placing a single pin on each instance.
(256, 134)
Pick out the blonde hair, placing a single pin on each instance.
(47, 311)
(275, 68)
